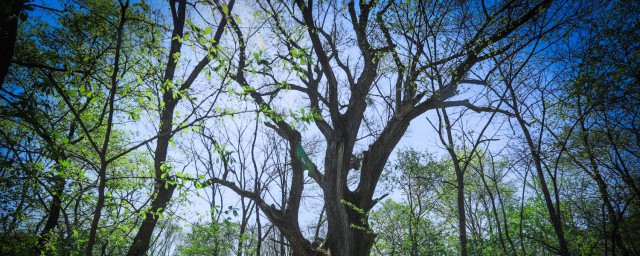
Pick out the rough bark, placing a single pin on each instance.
(10, 12)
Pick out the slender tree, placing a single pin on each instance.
(172, 93)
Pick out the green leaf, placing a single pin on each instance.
(294, 53)
(225, 9)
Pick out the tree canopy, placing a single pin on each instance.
(319, 127)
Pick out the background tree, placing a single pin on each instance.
(56, 92)
(80, 66)
(598, 117)
(416, 226)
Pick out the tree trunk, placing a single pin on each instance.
(97, 212)
(10, 12)
(462, 220)
(164, 185)
(54, 215)
(554, 215)
(616, 240)
(348, 232)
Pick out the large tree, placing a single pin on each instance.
(365, 70)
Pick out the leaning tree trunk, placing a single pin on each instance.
(554, 214)
(10, 11)
(165, 182)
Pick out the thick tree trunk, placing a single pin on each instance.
(10, 12)
(349, 233)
